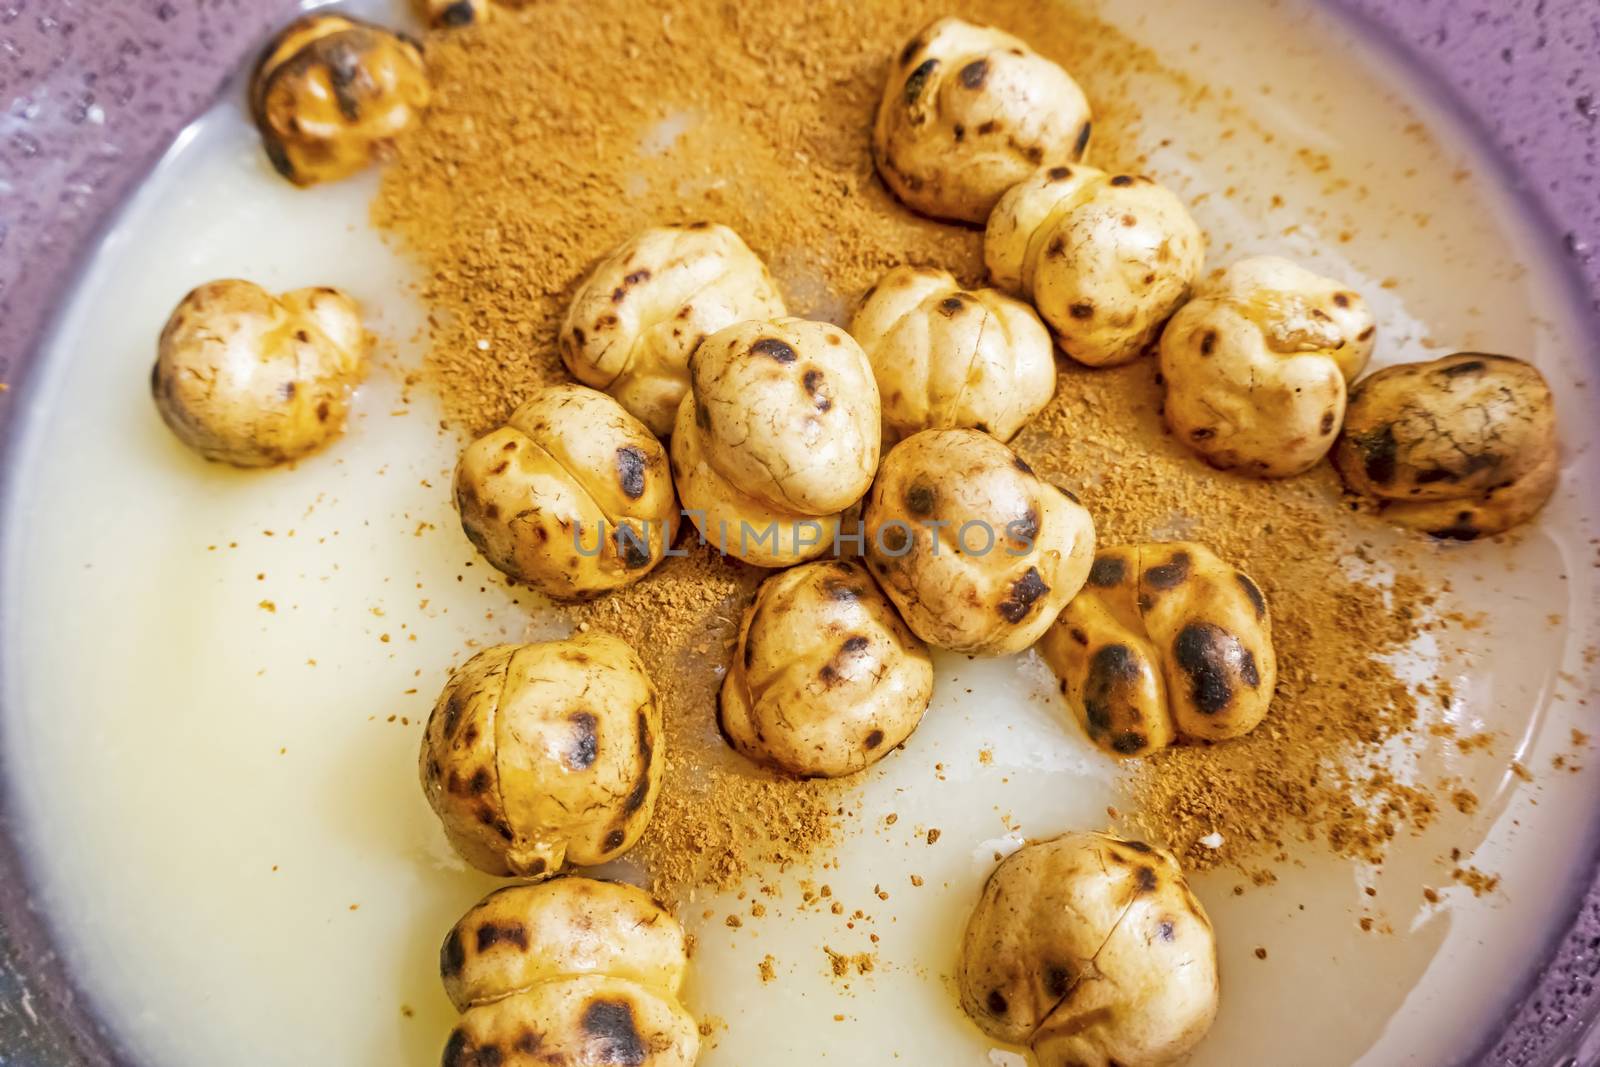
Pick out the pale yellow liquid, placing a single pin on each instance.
(221, 800)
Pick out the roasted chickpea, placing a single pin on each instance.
(967, 113)
(1460, 447)
(572, 495)
(454, 13)
(826, 679)
(1256, 366)
(330, 94)
(1092, 951)
(247, 378)
(570, 971)
(541, 755)
(778, 435)
(977, 552)
(1106, 258)
(649, 304)
(945, 357)
(1165, 642)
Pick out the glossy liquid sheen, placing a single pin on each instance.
(218, 679)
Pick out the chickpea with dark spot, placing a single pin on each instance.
(569, 971)
(1166, 643)
(1104, 286)
(826, 679)
(979, 554)
(541, 755)
(968, 112)
(331, 94)
(1091, 950)
(779, 434)
(1256, 366)
(946, 357)
(1461, 447)
(454, 14)
(252, 379)
(572, 495)
(646, 307)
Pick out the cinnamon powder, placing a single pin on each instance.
(561, 128)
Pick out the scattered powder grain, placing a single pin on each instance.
(562, 128)
(842, 965)
(1476, 880)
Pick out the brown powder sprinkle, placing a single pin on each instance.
(1476, 880)
(551, 140)
(841, 965)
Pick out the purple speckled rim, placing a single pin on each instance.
(92, 91)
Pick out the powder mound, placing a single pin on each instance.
(562, 128)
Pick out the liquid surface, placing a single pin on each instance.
(218, 679)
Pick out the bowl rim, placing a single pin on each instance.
(94, 103)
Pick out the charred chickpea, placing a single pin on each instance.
(454, 13)
(1166, 642)
(637, 317)
(1091, 950)
(570, 971)
(330, 94)
(252, 379)
(778, 435)
(977, 552)
(572, 495)
(541, 755)
(1460, 447)
(826, 680)
(1106, 258)
(1256, 366)
(945, 357)
(967, 113)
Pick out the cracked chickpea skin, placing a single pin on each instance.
(945, 357)
(248, 378)
(1105, 258)
(330, 94)
(778, 435)
(979, 554)
(572, 495)
(826, 679)
(967, 113)
(537, 756)
(640, 314)
(569, 971)
(1093, 952)
(1256, 366)
(1460, 447)
(1166, 642)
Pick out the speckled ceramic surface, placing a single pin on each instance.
(92, 91)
